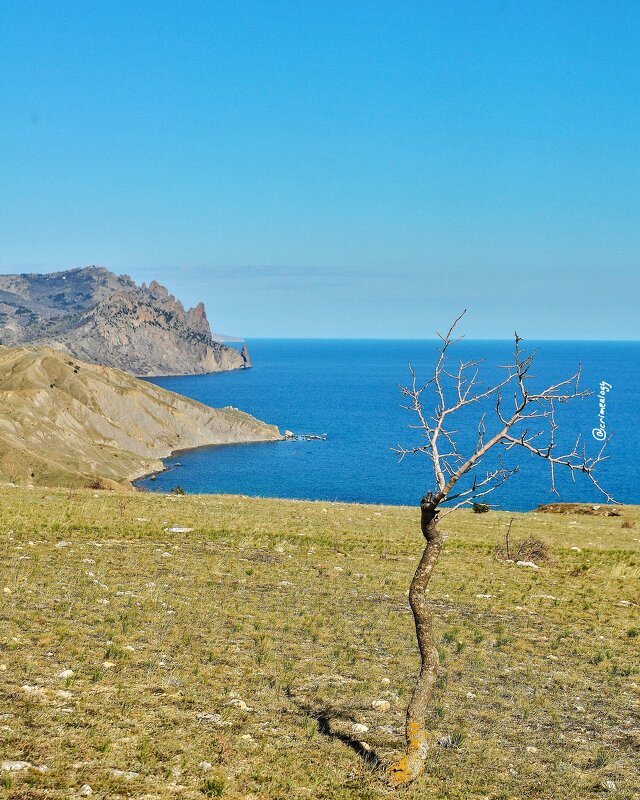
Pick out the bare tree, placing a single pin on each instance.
(524, 420)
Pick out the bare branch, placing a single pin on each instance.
(530, 408)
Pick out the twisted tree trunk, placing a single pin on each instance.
(412, 762)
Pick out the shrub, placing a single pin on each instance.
(531, 549)
(481, 508)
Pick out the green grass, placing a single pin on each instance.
(281, 622)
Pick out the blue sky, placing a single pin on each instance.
(359, 169)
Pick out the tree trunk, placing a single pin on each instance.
(412, 762)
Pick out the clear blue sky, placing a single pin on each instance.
(333, 168)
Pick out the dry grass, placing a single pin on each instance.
(284, 621)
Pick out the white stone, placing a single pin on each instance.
(14, 766)
(386, 681)
(358, 727)
(532, 749)
(527, 564)
(127, 775)
(471, 696)
(238, 703)
(205, 765)
(85, 790)
(484, 596)
(7, 590)
(576, 549)
(381, 705)
(66, 673)
(178, 530)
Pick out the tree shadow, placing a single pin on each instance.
(324, 718)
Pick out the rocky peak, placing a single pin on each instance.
(92, 313)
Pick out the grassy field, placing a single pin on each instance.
(242, 658)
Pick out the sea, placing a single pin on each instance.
(349, 390)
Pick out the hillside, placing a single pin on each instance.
(66, 422)
(207, 646)
(107, 319)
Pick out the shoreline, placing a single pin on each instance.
(181, 450)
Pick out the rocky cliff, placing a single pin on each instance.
(67, 423)
(104, 318)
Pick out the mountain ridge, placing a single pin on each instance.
(64, 422)
(103, 318)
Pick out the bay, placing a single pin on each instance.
(348, 389)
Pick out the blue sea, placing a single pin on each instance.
(349, 390)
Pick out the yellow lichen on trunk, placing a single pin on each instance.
(412, 762)
(407, 768)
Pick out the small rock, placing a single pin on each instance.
(108, 664)
(7, 590)
(64, 694)
(28, 689)
(205, 766)
(381, 705)
(358, 727)
(237, 703)
(85, 790)
(484, 596)
(387, 729)
(446, 741)
(527, 564)
(366, 747)
(580, 709)
(576, 549)
(14, 766)
(125, 774)
(471, 696)
(247, 737)
(610, 786)
(386, 681)
(178, 530)
(63, 544)
(532, 749)
(66, 673)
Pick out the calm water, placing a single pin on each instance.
(349, 390)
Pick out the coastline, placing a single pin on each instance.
(181, 450)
